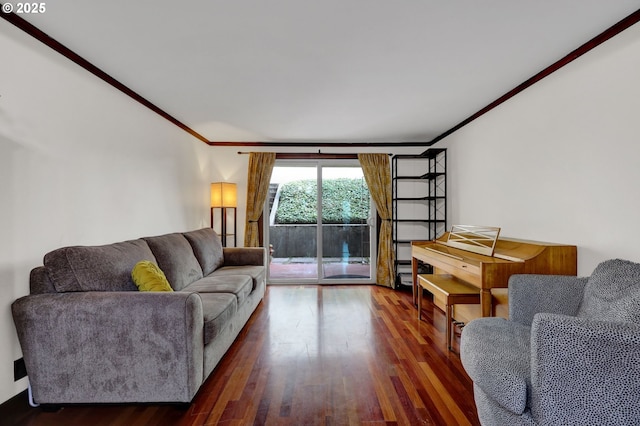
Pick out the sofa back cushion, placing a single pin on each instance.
(176, 259)
(39, 281)
(612, 292)
(96, 268)
(207, 247)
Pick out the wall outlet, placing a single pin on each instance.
(19, 369)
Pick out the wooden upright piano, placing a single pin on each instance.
(461, 258)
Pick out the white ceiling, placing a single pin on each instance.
(326, 71)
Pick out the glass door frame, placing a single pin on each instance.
(319, 164)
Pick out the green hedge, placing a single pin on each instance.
(344, 201)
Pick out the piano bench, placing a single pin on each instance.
(449, 289)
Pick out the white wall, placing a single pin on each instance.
(81, 163)
(560, 161)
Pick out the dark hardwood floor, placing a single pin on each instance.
(312, 355)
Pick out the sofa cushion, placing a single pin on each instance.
(612, 292)
(39, 281)
(488, 339)
(207, 248)
(218, 310)
(257, 273)
(148, 277)
(96, 268)
(175, 257)
(238, 285)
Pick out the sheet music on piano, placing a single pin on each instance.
(477, 239)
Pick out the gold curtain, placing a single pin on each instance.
(377, 173)
(259, 175)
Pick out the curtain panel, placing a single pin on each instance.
(377, 174)
(259, 175)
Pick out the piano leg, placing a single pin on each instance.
(414, 279)
(485, 302)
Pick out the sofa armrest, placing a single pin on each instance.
(584, 369)
(530, 294)
(242, 256)
(88, 347)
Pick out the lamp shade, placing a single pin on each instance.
(224, 194)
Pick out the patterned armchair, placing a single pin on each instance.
(568, 355)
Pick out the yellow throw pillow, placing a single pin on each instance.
(149, 277)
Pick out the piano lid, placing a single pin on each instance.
(485, 240)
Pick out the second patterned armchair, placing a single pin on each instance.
(568, 355)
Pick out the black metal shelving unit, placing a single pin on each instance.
(419, 205)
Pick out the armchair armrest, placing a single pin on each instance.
(530, 294)
(89, 347)
(242, 256)
(495, 353)
(584, 369)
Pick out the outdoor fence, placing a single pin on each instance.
(338, 240)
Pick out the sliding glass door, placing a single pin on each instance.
(319, 218)
(292, 223)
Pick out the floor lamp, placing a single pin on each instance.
(224, 195)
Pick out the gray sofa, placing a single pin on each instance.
(568, 355)
(89, 336)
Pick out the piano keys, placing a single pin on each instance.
(489, 272)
